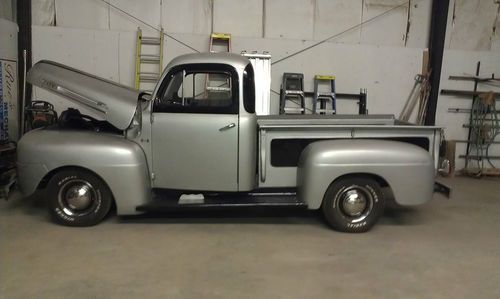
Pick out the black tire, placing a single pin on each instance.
(353, 204)
(77, 197)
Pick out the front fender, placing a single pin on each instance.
(121, 163)
(408, 169)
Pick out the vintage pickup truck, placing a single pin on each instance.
(196, 142)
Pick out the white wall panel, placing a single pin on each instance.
(145, 10)
(334, 16)
(293, 19)
(187, 16)
(388, 29)
(8, 39)
(89, 14)
(92, 51)
(238, 17)
(7, 8)
(472, 25)
(495, 38)
(126, 57)
(495, 42)
(43, 12)
(420, 21)
(173, 49)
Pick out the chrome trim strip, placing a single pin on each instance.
(262, 155)
(97, 105)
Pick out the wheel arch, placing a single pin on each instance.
(45, 180)
(379, 179)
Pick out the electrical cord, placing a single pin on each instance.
(332, 37)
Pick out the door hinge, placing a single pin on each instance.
(152, 118)
(153, 177)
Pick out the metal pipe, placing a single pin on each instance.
(465, 93)
(439, 19)
(23, 99)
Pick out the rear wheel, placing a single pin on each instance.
(353, 204)
(77, 197)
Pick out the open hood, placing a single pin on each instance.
(114, 102)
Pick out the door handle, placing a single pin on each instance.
(231, 125)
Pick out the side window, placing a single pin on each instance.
(249, 89)
(198, 92)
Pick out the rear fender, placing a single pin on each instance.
(407, 169)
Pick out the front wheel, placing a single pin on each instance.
(353, 204)
(77, 197)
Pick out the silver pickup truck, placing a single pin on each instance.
(196, 142)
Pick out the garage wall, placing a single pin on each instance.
(111, 54)
(461, 62)
(382, 55)
(470, 38)
(288, 19)
(8, 10)
(366, 57)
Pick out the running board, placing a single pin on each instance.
(162, 202)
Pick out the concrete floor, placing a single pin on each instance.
(444, 249)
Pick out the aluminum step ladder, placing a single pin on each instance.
(148, 61)
(324, 97)
(292, 90)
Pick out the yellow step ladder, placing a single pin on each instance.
(220, 40)
(324, 97)
(148, 66)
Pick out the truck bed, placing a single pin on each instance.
(282, 138)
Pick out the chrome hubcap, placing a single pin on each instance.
(355, 202)
(77, 197)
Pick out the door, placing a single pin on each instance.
(195, 129)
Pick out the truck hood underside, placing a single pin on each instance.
(114, 102)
